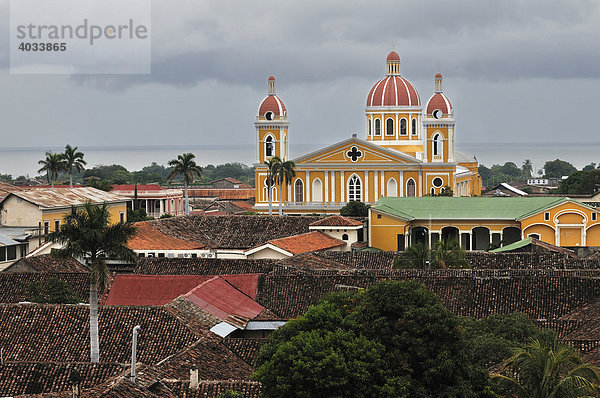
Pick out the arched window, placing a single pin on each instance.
(414, 126)
(411, 189)
(354, 188)
(403, 127)
(437, 145)
(370, 131)
(345, 237)
(377, 127)
(317, 190)
(389, 127)
(269, 147)
(392, 188)
(299, 191)
(432, 191)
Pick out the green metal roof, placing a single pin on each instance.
(465, 208)
(513, 246)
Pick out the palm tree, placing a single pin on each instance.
(72, 159)
(86, 234)
(283, 172)
(449, 254)
(186, 166)
(548, 369)
(52, 165)
(415, 256)
(272, 165)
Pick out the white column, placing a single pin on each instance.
(333, 186)
(342, 187)
(161, 208)
(376, 186)
(308, 198)
(147, 210)
(420, 187)
(382, 182)
(401, 183)
(397, 128)
(409, 127)
(326, 178)
(366, 186)
(382, 136)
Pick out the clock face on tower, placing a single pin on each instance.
(437, 114)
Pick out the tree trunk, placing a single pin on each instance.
(71, 180)
(280, 199)
(269, 190)
(187, 200)
(94, 343)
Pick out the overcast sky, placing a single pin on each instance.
(521, 72)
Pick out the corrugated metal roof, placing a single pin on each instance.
(220, 299)
(440, 208)
(162, 289)
(67, 197)
(6, 241)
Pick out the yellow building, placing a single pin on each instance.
(46, 207)
(408, 151)
(396, 223)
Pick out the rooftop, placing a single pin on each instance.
(465, 207)
(66, 197)
(337, 221)
(162, 289)
(307, 242)
(48, 263)
(149, 238)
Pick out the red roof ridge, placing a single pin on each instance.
(334, 221)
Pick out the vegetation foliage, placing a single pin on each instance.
(355, 208)
(445, 254)
(51, 291)
(395, 339)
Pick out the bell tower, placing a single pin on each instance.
(271, 126)
(439, 124)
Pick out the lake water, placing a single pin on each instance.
(23, 161)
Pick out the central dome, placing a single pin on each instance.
(393, 90)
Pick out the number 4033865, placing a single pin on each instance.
(43, 46)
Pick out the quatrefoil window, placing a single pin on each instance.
(354, 154)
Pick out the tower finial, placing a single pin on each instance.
(438, 81)
(271, 85)
(393, 63)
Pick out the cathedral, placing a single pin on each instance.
(407, 151)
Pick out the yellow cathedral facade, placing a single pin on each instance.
(408, 151)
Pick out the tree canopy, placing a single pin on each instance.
(581, 182)
(558, 168)
(395, 339)
(355, 208)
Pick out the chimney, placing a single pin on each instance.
(194, 378)
(133, 352)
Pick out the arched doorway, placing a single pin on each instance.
(299, 191)
(419, 235)
(317, 191)
(450, 234)
(392, 188)
(510, 235)
(481, 238)
(411, 189)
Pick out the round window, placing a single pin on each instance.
(269, 115)
(437, 114)
(437, 182)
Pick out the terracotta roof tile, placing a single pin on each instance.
(336, 221)
(149, 238)
(48, 263)
(202, 266)
(13, 285)
(222, 193)
(67, 197)
(60, 333)
(307, 242)
(232, 232)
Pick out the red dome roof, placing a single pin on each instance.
(393, 56)
(438, 75)
(439, 101)
(272, 104)
(393, 91)
(271, 78)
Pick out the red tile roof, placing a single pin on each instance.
(162, 289)
(336, 221)
(221, 299)
(140, 187)
(47, 263)
(308, 242)
(149, 238)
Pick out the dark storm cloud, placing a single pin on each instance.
(311, 41)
